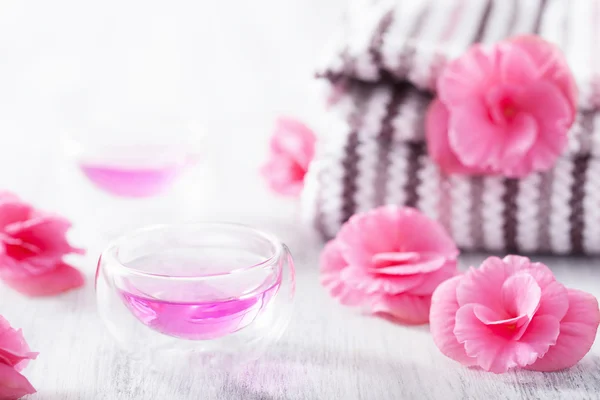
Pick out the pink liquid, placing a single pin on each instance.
(197, 320)
(132, 181)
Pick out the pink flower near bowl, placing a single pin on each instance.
(512, 313)
(292, 148)
(32, 245)
(14, 356)
(504, 109)
(389, 261)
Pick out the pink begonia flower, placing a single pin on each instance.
(32, 245)
(292, 148)
(504, 109)
(14, 356)
(389, 261)
(512, 313)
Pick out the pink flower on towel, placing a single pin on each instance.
(512, 313)
(389, 261)
(32, 245)
(292, 149)
(14, 356)
(504, 109)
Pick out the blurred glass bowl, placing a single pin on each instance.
(123, 170)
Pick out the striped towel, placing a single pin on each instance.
(372, 151)
(412, 40)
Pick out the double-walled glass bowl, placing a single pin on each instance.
(196, 294)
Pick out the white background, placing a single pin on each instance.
(233, 66)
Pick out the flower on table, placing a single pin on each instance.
(14, 356)
(32, 246)
(292, 148)
(504, 109)
(389, 261)
(512, 313)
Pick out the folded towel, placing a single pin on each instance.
(373, 154)
(372, 151)
(412, 40)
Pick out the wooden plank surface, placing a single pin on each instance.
(328, 352)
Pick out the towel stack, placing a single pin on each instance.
(373, 152)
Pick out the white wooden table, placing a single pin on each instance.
(236, 66)
(328, 352)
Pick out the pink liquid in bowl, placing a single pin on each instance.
(199, 310)
(197, 320)
(132, 181)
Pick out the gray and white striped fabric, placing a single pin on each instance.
(412, 39)
(374, 154)
(372, 150)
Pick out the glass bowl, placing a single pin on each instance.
(123, 169)
(212, 294)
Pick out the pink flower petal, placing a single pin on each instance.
(400, 265)
(32, 244)
(493, 317)
(554, 300)
(513, 263)
(48, 234)
(515, 66)
(404, 308)
(292, 149)
(14, 355)
(13, 211)
(552, 112)
(502, 109)
(332, 264)
(332, 259)
(8, 197)
(438, 144)
(14, 350)
(577, 334)
(513, 315)
(387, 259)
(502, 322)
(422, 234)
(362, 280)
(483, 285)
(480, 341)
(284, 176)
(429, 285)
(551, 64)
(498, 353)
(462, 79)
(350, 296)
(442, 321)
(346, 295)
(58, 280)
(370, 233)
(521, 136)
(520, 130)
(16, 360)
(392, 229)
(19, 249)
(542, 332)
(391, 258)
(481, 150)
(13, 385)
(551, 109)
(521, 295)
(293, 138)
